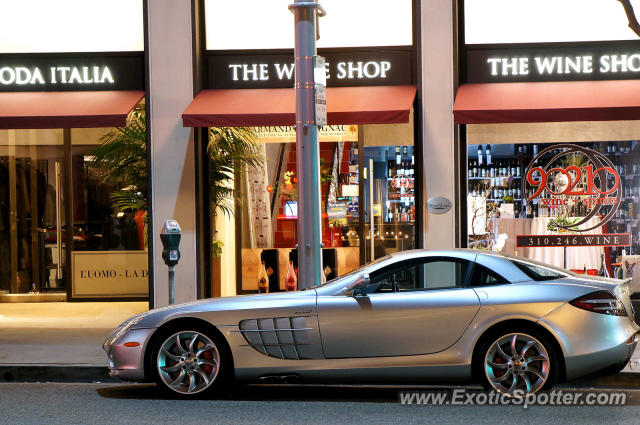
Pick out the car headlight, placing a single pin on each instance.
(125, 326)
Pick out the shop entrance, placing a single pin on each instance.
(59, 215)
(33, 233)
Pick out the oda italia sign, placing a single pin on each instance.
(71, 72)
(582, 190)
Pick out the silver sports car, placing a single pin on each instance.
(515, 325)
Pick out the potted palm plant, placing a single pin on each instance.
(230, 151)
(122, 157)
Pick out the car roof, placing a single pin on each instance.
(494, 260)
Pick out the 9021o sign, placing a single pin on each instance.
(581, 189)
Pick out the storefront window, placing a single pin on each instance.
(555, 202)
(32, 224)
(367, 194)
(51, 183)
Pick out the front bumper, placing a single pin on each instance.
(126, 362)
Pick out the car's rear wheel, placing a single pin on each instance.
(517, 363)
(189, 362)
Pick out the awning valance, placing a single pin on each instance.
(77, 109)
(267, 107)
(547, 102)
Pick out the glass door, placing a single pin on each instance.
(388, 200)
(32, 224)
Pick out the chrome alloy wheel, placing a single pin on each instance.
(188, 362)
(517, 362)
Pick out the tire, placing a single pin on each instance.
(533, 365)
(190, 362)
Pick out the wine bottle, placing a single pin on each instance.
(263, 279)
(291, 280)
(488, 152)
(603, 266)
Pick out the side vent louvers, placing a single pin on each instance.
(280, 337)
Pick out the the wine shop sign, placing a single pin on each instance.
(571, 180)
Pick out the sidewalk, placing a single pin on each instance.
(57, 336)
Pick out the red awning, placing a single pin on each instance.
(78, 109)
(547, 102)
(266, 107)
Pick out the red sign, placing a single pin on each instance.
(400, 181)
(566, 175)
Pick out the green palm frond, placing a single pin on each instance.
(231, 150)
(122, 155)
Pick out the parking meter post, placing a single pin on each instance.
(170, 237)
(172, 284)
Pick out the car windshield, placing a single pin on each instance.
(352, 272)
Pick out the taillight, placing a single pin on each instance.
(604, 302)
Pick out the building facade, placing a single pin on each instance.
(547, 114)
(76, 229)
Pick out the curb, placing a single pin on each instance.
(55, 373)
(88, 374)
(626, 380)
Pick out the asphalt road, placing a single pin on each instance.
(55, 403)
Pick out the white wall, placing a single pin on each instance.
(172, 146)
(438, 134)
(268, 24)
(524, 21)
(35, 26)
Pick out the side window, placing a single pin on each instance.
(482, 276)
(420, 275)
(391, 279)
(441, 274)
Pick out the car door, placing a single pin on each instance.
(416, 306)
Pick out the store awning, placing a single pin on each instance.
(547, 102)
(77, 109)
(267, 107)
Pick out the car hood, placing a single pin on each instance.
(155, 317)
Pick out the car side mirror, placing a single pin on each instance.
(358, 288)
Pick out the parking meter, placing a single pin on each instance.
(170, 237)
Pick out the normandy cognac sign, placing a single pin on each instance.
(581, 190)
(72, 72)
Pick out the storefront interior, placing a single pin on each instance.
(351, 218)
(70, 227)
(500, 204)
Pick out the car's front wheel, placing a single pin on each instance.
(189, 362)
(517, 363)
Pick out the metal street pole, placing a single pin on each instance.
(307, 148)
